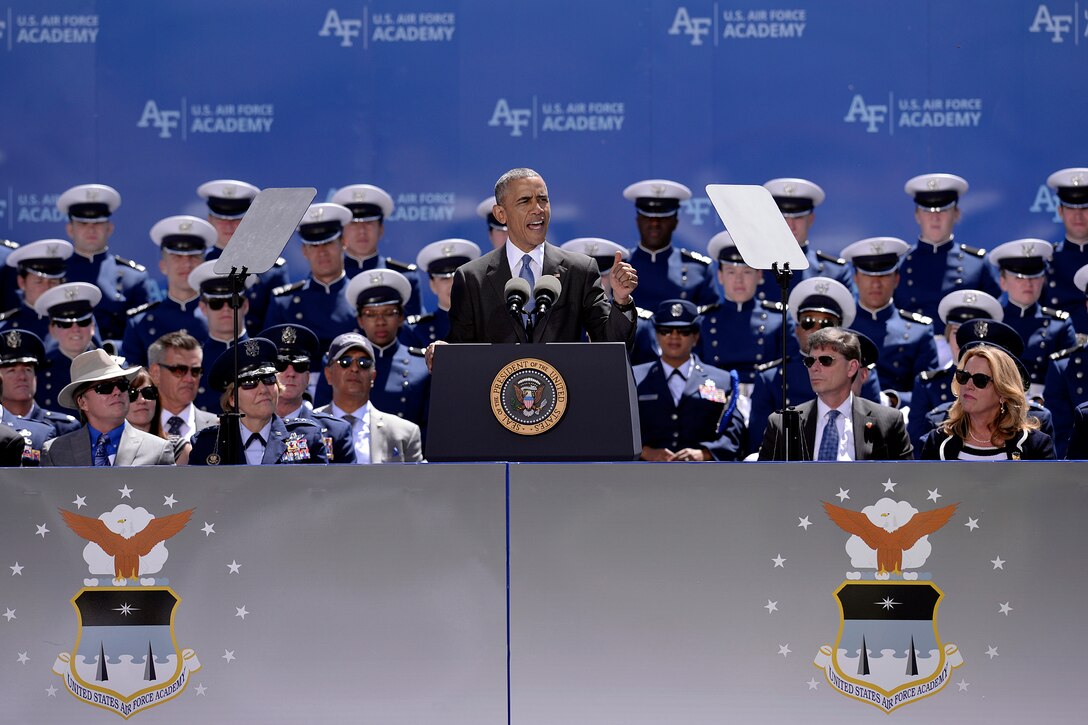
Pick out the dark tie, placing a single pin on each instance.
(101, 458)
(255, 437)
(527, 275)
(829, 443)
(173, 425)
(676, 389)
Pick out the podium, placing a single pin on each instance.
(537, 402)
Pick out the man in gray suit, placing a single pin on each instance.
(100, 392)
(175, 364)
(379, 437)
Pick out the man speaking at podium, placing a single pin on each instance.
(479, 306)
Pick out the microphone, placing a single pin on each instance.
(517, 294)
(546, 293)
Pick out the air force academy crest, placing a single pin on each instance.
(126, 657)
(888, 652)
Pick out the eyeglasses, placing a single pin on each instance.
(180, 371)
(363, 363)
(217, 303)
(107, 387)
(682, 331)
(807, 323)
(981, 380)
(824, 360)
(384, 315)
(300, 364)
(251, 383)
(67, 324)
(149, 393)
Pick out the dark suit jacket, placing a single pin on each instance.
(11, 448)
(1030, 445)
(879, 433)
(1077, 448)
(478, 305)
(135, 449)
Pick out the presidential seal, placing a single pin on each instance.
(528, 396)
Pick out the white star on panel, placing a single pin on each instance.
(42, 531)
(933, 495)
(971, 523)
(779, 561)
(23, 659)
(16, 569)
(771, 606)
(200, 689)
(998, 563)
(125, 492)
(208, 529)
(963, 685)
(889, 485)
(991, 652)
(843, 494)
(241, 611)
(169, 501)
(9, 615)
(812, 684)
(805, 523)
(228, 655)
(51, 691)
(1005, 609)
(234, 566)
(80, 502)
(784, 649)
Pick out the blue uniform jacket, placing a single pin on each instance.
(339, 442)
(291, 440)
(353, 266)
(906, 342)
(35, 434)
(1043, 331)
(322, 308)
(673, 273)
(928, 273)
(1060, 292)
(820, 264)
(430, 327)
(1066, 388)
(260, 294)
(403, 384)
(207, 397)
(169, 315)
(124, 284)
(694, 422)
(740, 337)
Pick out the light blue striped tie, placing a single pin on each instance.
(829, 443)
(527, 275)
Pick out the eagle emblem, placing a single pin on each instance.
(591, 249)
(118, 538)
(676, 310)
(982, 328)
(969, 298)
(821, 287)
(288, 336)
(252, 348)
(185, 226)
(447, 250)
(1028, 249)
(227, 191)
(13, 338)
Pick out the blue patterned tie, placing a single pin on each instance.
(527, 275)
(101, 458)
(829, 443)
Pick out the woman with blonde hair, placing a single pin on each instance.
(988, 421)
(144, 412)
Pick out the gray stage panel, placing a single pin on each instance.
(641, 593)
(371, 594)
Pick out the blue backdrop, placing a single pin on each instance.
(432, 100)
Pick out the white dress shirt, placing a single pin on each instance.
(360, 429)
(844, 426)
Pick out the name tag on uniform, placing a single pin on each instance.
(652, 396)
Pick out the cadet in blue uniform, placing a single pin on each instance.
(70, 308)
(664, 271)
(228, 201)
(1023, 267)
(402, 385)
(439, 260)
(318, 301)
(182, 241)
(1066, 384)
(215, 306)
(1070, 254)
(369, 206)
(739, 332)
(815, 303)
(496, 230)
(260, 437)
(906, 342)
(683, 403)
(124, 283)
(797, 199)
(8, 289)
(298, 359)
(22, 356)
(933, 387)
(938, 264)
(39, 266)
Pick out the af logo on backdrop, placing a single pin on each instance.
(1057, 24)
(126, 657)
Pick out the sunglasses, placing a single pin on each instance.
(363, 363)
(107, 387)
(300, 364)
(180, 371)
(251, 383)
(149, 393)
(824, 360)
(384, 315)
(217, 303)
(67, 324)
(980, 380)
(807, 323)
(682, 331)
